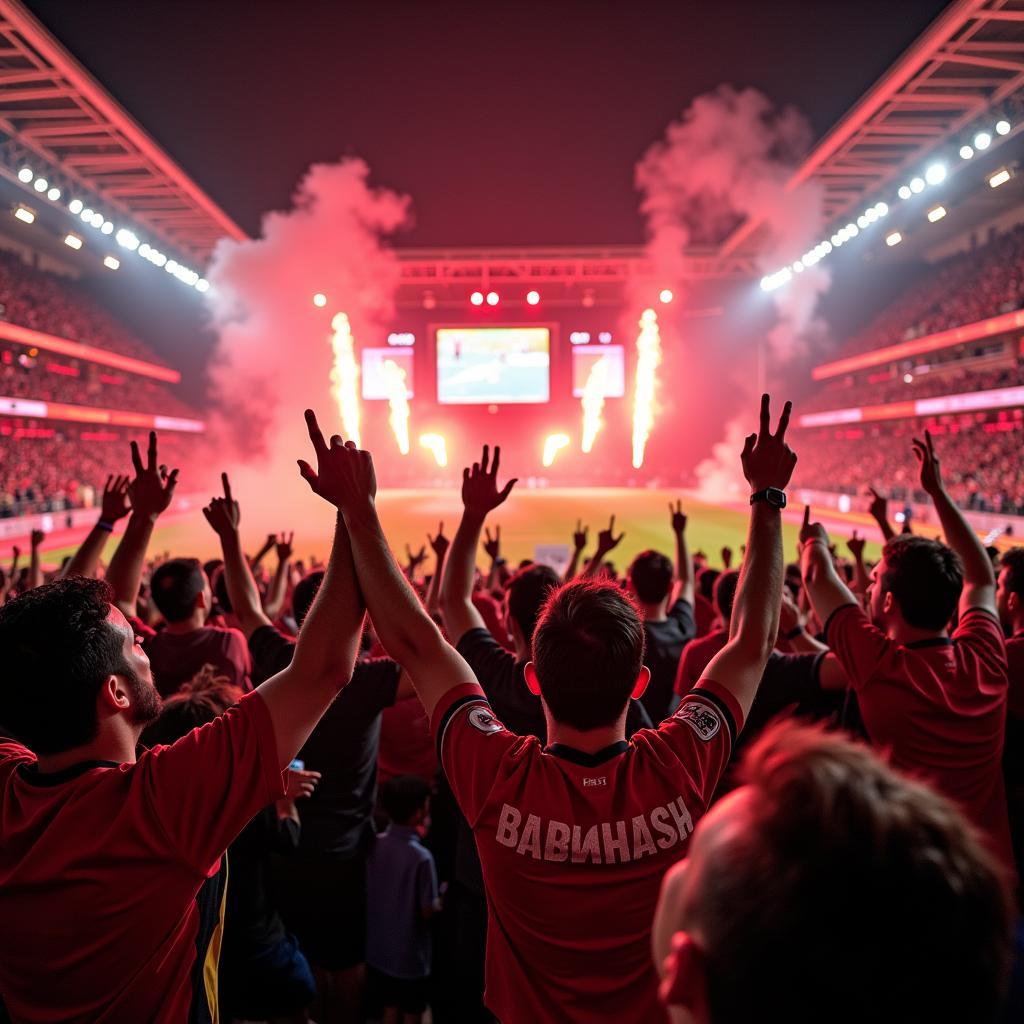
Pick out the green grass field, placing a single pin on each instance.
(528, 519)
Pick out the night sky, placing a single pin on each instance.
(509, 124)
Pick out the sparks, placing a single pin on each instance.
(345, 376)
(398, 400)
(648, 351)
(435, 443)
(553, 444)
(593, 402)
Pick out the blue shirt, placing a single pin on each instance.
(401, 882)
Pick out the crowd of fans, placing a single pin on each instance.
(983, 459)
(801, 787)
(49, 466)
(962, 289)
(59, 306)
(909, 386)
(74, 382)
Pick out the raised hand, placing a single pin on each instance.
(300, 783)
(678, 517)
(579, 537)
(439, 544)
(879, 507)
(284, 544)
(344, 475)
(855, 545)
(153, 487)
(928, 461)
(417, 559)
(223, 514)
(480, 492)
(811, 532)
(492, 545)
(727, 557)
(606, 539)
(767, 460)
(37, 537)
(115, 504)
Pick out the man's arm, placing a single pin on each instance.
(684, 564)
(223, 515)
(979, 576)
(767, 462)
(861, 578)
(439, 545)
(793, 627)
(35, 571)
(278, 591)
(824, 588)
(114, 506)
(579, 542)
(492, 549)
(150, 493)
(407, 632)
(328, 643)
(879, 511)
(480, 495)
(606, 542)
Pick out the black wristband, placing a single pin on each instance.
(105, 524)
(794, 633)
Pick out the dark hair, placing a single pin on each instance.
(527, 591)
(196, 703)
(925, 578)
(58, 648)
(588, 648)
(402, 796)
(1013, 561)
(305, 590)
(706, 582)
(651, 575)
(724, 592)
(175, 587)
(874, 877)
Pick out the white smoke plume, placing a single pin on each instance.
(729, 159)
(273, 357)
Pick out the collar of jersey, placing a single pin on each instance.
(581, 757)
(935, 641)
(30, 773)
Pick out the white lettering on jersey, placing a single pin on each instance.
(607, 842)
(702, 718)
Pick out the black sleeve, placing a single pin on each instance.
(287, 838)
(271, 653)
(682, 613)
(492, 665)
(373, 685)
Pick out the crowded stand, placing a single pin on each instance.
(961, 289)
(983, 463)
(569, 784)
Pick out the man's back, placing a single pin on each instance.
(178, 657)
(122, 864)
(938, 705)
(573, 848)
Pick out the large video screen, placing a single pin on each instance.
(606, 361)
(485, 365)
(378, 375)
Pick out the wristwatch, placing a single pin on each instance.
(771, 495)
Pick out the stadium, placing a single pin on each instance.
(868, 267)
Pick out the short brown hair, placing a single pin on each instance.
(852, 894)
(925, 577)
(588, 649)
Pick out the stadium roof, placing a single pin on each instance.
(50, 106)
(970, 59)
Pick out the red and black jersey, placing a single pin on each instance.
(112, 875)
(574, 846)
(938, 707)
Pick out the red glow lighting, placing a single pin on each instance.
(532, 298)
(477, 298)
(492, 298)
